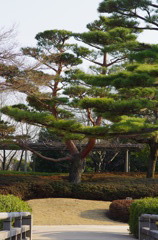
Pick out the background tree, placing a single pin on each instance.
(140, 15)
(109, 44)
(54, 53)
(133, 105)
(8, 46)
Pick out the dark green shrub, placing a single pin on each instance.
(138, 207)
(119, 210)
(40, 190)
(49, 189)
(10, 203)
(108, 189)
(88, 191)
(61, 189)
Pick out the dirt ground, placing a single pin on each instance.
(65, 211)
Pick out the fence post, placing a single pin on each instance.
(143, 222)
(20, 228)
(27, 220)
(18, 224)
(152, 224)
(7, 224)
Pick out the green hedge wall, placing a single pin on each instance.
(92, 191)
(138, 207)
(10, 203)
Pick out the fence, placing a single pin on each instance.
(148, 227)
(16, 226)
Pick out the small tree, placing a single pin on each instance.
(8, 46)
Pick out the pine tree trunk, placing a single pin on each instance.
(152, 159)
(76, 169)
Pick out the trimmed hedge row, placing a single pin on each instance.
(48, 189)
(138, 207)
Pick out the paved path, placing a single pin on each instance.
(81, 232)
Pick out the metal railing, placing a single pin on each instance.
(148, 229)
(16, 226)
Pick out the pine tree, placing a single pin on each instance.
(52, 108)
(133, 108)
(138, 15)
(76, 105)
(131, 13)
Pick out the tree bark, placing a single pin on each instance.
(76, 169)
(152, 160)
(4, 160)
(20, 161)
(10, 160)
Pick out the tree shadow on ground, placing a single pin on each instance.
(96, 214)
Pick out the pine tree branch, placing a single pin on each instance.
(92, 61)
(115, 61)
(89, 115)
(135, 15)
(68, 158)
(91, 143)
(72, 147)
(153, 5)
(88, 148)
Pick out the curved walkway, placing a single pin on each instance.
(81, 232)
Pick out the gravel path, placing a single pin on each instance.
(65, 211)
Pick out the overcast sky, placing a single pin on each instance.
(33, 16)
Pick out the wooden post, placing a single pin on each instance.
(25, 164)
(127, 161)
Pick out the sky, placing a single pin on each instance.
(33, 16)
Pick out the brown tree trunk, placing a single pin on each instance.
(4, 160)
(152, 160)
(10, 160)
(20, 161)
(76, 169)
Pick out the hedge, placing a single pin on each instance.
(10, 203)
(147, 205)
(91, 191)
(119, 210)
